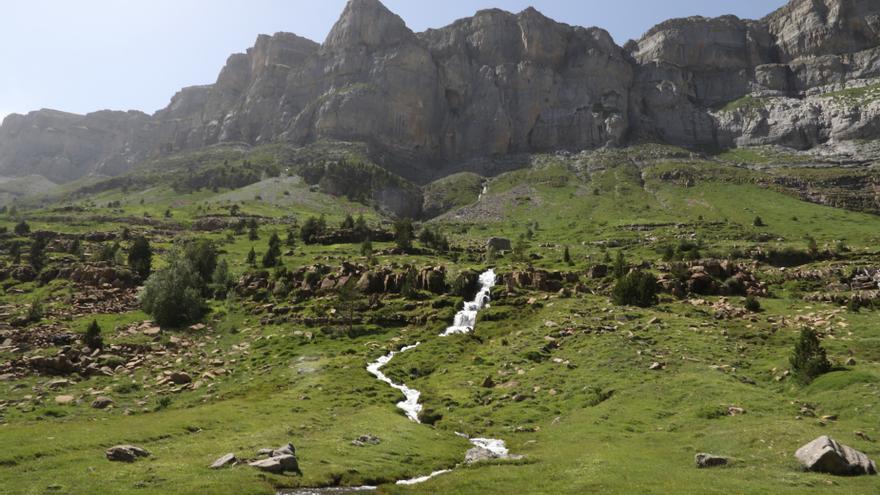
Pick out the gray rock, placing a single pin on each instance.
(824, 455)
(278, 464)
(708, 460)
(126, 453)
(102, 402)
(499, 243)
(478, 454)
(364, 440)
(226, 460)
(288, 449)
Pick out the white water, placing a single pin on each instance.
(464, 323)
(466, 318)
(497, 447)
(422, 479)
(410, 405)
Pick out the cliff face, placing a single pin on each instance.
(494, 84)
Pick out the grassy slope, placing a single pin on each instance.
(318, 395)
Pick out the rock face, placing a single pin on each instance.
(493, 84)
(824, 455)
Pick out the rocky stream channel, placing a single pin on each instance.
(484, 448)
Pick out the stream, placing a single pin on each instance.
(464, 322)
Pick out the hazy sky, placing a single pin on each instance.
(86, 55)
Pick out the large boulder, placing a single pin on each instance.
(825, 455)
(278, 464)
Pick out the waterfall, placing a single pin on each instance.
(466, 319)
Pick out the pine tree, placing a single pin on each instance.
(92, 338)
(252, 257)
(566, 257)
(620, 267)
(808, 360)
(273, 254)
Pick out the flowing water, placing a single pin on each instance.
(464, 322)
(466, 319)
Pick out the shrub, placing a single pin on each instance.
(758, 222)
(140, 257)
(92, 338)
(752, 304)
(202, 254)
(808, 360)
(173, 295)
(35, 311)
(637, 288)
(620, 267)
(38, 254)
(312, 228)
(22, 228)
(252, 257)
(566, 257)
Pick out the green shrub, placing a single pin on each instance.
(752, 304)
(636, 288)
(92, 337)
(272, 257)
(173, 295)
(140, 257)
(808, 360)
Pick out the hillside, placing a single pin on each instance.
(594, 395)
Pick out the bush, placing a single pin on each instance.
(808, 360)
(620, 267)
(752, 304)
(312, 228)
(35, 311)
(22, 228)
(38, 254)
(140, 257)
(758, 222)
(173, 295)
(92, 338)
(202, 254)
(637, 288)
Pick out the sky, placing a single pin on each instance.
(86, 55)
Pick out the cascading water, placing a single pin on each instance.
(464, 323)
(466, 319)
(410, 405)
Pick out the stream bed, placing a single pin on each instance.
(464, 322)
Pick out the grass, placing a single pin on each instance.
(586, 412)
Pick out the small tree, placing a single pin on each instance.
(349, 299)
(252, 257)
(140, 257)
(37, 256)
(403, 234)
(758, 222)
(22, 229)
(566, 257)
(367, 248)
(620, 268)
(348, 223)
(92, 338)
(35, 311)
(520, 249)
(221, 280)
(253, 232)
(313, 228)
(173, 295)
(361, 229)
(636, 288)
(291, 237)
(808, 360)
(202, 254)
(272, 257)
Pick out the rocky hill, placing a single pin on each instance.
(498, 84)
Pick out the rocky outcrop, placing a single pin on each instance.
(824, 455)
(496, 84)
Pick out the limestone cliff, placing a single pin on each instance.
(496, 84)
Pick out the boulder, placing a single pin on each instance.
(102, 402)
(825, 455)
(126, 453)
(478, 454)
(499, 243)
(708, 460)
(364, 440)
(226, 460)
(180, 378)
(288, 449)
(63, 400)
(278, 464)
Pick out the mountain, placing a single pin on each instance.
(495, 84)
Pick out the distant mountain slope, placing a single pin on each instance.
(496, 84)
